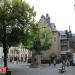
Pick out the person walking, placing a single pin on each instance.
(63, 65)
(54, 62)
(67, 63)
(49, 61)
(26, 58)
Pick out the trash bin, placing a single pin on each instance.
(8, 72)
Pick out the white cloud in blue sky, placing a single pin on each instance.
(61, 12)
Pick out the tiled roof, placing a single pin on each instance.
(53, 26)
(62, 33)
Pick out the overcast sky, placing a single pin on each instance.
(61, 12)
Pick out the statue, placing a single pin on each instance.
(37, 46)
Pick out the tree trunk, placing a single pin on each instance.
(5, 55)
(5, 46)
(5, 50)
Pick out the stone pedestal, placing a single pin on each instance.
(36, 60)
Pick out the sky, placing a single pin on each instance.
(61, 12)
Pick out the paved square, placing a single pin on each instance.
(24, 69)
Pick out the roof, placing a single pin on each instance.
(63, 35)
(53, 26)
(62, 32)
(47, 19)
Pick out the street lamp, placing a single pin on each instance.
(6, 30)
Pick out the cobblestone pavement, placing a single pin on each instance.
(24, 69)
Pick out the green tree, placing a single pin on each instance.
(37, 33)
(32, 33)
(17, 16)
(45, 35)
(40, 39)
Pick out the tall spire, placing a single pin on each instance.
(69, 28)
(70, 33)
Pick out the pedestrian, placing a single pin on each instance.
(10, 59)
(26, 58)
(21, 59)
(54, 62)
(49, 61)
(63, 65)
(67, 63)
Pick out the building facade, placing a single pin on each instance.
(64, 46)
(54, 51)
(73, 43)
(17, 53)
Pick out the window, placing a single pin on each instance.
(63, 36)
(12, 51)
(64, 48)
(54, 39)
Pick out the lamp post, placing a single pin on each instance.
(6, 30)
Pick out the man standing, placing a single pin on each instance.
(63, 65)
(49, 61)
(54, 62)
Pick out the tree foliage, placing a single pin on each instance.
(18, 15)
(32, 33)
(45, 36)
(39, 36)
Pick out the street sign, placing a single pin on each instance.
(3, 70)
